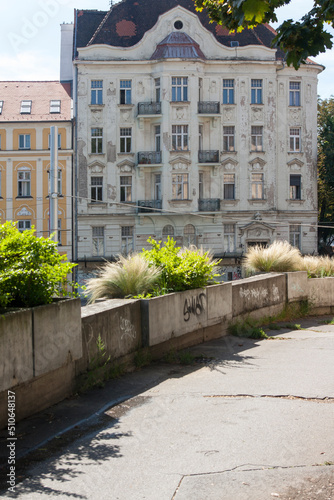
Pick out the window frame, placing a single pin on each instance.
(96, 92)
(228, 138)
(256, 138)
(294, 235)
(96, 241)
(1, 106)
(294, 93)
(180, 186)
(24, 221)
(229, 243)
(180, 138)
(125, 91)
(96, 140)
(125, 184)
(157, 187)
(256, 91)
(26, 105)
(157, 88)
(157, 138)
(24, 184)
(167, 231)
(179, 89)
(55, 108)
(228, 91)
(125, 139)
(295, 184)
(96, 188)
(59, 141)
(26, 138)
(229, 180)
(189, 234)
(257, 185)
(127, 240)
(295, 140)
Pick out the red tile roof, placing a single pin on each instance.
(40, 93)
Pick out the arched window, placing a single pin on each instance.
(189, 235)
(168, 230)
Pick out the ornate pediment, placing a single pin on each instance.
(96, 167)
(180, 163)
(295, 162)
(257, 230)
(126, 165)
(229, 164)
(24, 212)
(257, 163)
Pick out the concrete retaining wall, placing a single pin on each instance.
(43, 350)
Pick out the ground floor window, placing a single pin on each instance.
(295, 235)
(98, 241)
(127, 244)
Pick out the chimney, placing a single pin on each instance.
(66, 51)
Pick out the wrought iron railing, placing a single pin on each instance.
(149, 108)
(208, 156)
(147, 206)
(209, 107)
(209, 205)
(149, 157)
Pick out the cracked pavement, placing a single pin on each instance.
(251, 420)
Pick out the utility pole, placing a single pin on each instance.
(53, 194)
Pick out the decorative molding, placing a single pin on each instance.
(24, 212)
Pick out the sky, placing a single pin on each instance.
(30, 38)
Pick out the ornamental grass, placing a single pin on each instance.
(129, 276)
(317, 267)
(280, 256)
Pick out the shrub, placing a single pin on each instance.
(181, 268)
(31, 270)
(280, 256)
(127, 277)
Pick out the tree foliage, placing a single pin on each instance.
(326, 169)
(32, 271)
(298, 39)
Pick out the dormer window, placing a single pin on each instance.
(54, 106)
(25, 107)
(1, 106)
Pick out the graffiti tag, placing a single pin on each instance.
(195, 306)
(127, 329)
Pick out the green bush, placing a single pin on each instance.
(32, 272)
(181, 269)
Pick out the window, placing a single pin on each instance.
(256, 138)
(256, 91)
(167, 231)
(55, 106)
(180, 186)
(257, 186)
(126, 188)
(200, 137)
(24, 141)
(229, 186)
(228, 91)
(60, 181)
(295, 139)
(200, 186)
(157, 136)
(22, 225)
(98, 241)
(23, 183)
(295, 187)
(0, 142)
(1, 106)
(125, 92)
(295, 239)
(127, 240)
(294, 94)
(180, 137)
(157, 89)
(179, 89)
(96, 140)
(96, 93)
(96, 189)
(59, 232)
(157, 186)
(25, 107)
(228, 138)
(125, 140)
(189, 235)
(59, 141)
(229, 238)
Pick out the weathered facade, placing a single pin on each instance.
(28, 110)
(184, 130)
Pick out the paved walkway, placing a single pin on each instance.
(249, 420)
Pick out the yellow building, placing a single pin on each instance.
(27, 111)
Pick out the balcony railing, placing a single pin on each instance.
(208, 156)
(149, 108)
(147, 206)
(149, 157)
(209, 107)
(209, 205)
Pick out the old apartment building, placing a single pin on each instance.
(188, 131)
(27, 111)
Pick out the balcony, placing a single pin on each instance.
(149, 108)
(149, 157)
(208, 156)
(209, 205)
(148, 206)
(208, 108)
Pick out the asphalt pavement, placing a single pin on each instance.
(247, 420)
